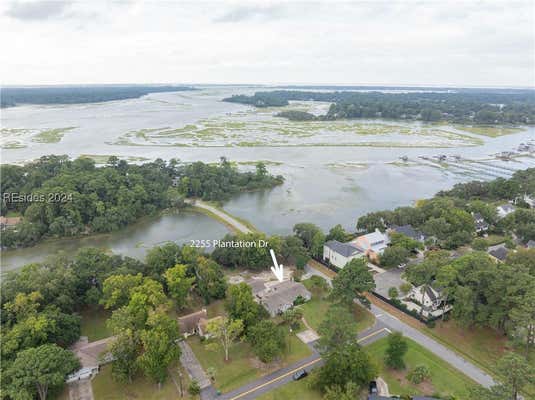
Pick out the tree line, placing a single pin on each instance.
(461, 106)
(63, 197)
(13, 96)
(41, 302)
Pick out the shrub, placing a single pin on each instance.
(405, 287)
(393, 292)
(419, 374)
(480, 244)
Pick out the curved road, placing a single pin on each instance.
(224, 216)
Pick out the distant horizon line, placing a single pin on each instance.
(274, 85)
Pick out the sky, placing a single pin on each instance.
(454, 43)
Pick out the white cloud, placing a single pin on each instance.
(408, 42)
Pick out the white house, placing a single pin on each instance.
(372, 244)
(480, 223)
(427, 296)
(339, 254)
(504, 210)
(530, 200)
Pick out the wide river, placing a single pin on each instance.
(335, 171)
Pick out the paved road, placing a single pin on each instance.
(392, 323)
(224, 216)
(441, 351)
(284, 375)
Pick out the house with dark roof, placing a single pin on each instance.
(339, 254)
(409, 231)
(189, 324)
(499, 253)
(426, 296)
(278, 297)
(504, 210)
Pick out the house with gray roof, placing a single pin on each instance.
(339, 254)
(409, 231)
(504, 210)
(499, 252)
(530, 244)
(426, 296)
(278, 297)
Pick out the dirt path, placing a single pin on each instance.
(227, 218)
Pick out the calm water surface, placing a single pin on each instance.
(324, 185)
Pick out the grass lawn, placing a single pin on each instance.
(94, 323)
(494, 239)
(243, 366)
(105, 388)
(445, 379)
(315, 310)
(481, 345)
(292, 390)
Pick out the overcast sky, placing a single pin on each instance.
(461, 43)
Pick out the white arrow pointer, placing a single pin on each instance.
(277, 269)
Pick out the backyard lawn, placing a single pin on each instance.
(292, 390)
(445, 379)
(93, 324)
(243, 366)
(105, 388)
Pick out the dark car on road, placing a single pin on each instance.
(300, 375)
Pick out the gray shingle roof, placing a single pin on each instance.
(344, 249)
(409, 231)
(500, 253)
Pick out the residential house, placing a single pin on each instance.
(530, 244)
(499, 252)
(428, 297)
(504, 210)
(529, 200)
(372, 244)
(9, 222)
(278, 297)
(480, 223)
(189, 324)
(409, 231)
(339, 254)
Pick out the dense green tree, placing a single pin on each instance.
(178, 284)
(210, 280)
(347, 363)
(240, 305)
(306, 231)
(267, 340)
(394, 256)
(159, 346)
(337, 232)
(161, 258)
(352, 281)
(125, 350)
(516, 373)
(37, 369)
(396, 350)
(337, 328)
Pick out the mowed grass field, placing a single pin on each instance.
(106, 388)
(243, 366)
(445, 379)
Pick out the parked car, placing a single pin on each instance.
(300, 375)
(373, 388)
